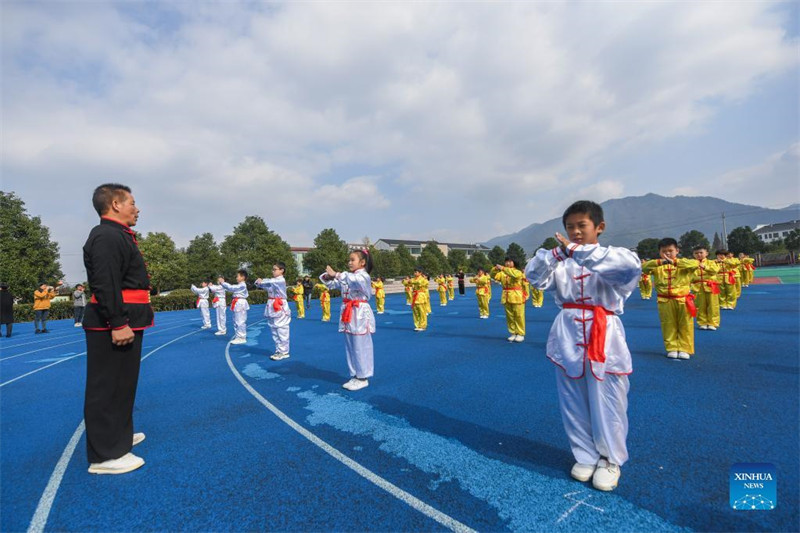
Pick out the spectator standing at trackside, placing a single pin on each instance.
(6, 308)
(308, 288)
(79, 304)
(460, 277)
(41, 306)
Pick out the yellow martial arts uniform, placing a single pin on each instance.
(407, 285)
(482, 288)
(737, 273)
(428, 305)
(324, 301)
(297, 296)
(748, 271)
(380, 296)
(420, 301)
(513, 298)
(727, 287)
(705, 286)
(672, 284)
(442, 289)
(451, 287)
(646, 286)
(537, 297)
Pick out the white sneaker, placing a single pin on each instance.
(78, 324)
(683, 355)
(703, 327)
(279, 356)
(417, 329)
(380, 312)
(512, 338)
(672, 355)
(582, 472)
(349, 384)
(519, 338)
(221, 332)
(712, 328)
(205, 327)
(138, 438)
(124, 464)
(606, 477)
(357, 384)
(238, 340)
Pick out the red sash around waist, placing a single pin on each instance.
(215, 300)
(597, 334)
(347, 310)
(277, 303)
(131, 296)
(688, 299)
(233, 302)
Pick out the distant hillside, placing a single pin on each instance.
(634, 218)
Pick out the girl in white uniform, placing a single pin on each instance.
(587, 341)
(239, 306)
(277, 310)
(356, 320)
(219, 305)
(202, 303)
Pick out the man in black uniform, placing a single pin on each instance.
(114, 322)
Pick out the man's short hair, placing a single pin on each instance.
(107, 193)
(592, 209)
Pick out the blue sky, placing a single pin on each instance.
(454, 121)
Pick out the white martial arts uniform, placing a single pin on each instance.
(220, 305)
(239, 306)
(277, 312)
(202, 304)
(592, 387)
(356, 290)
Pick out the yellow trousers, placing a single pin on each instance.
(677, 326)
(442, 297)
(483, 304)
(379, 303)
(301, 308)
(428, 305)
(738, 288)
(451, 293)
(727, 295)
(646, 290)
(420, 316)
(537, 299)
(515, 318)
(408, 297)
(707, 309)
(326, 310)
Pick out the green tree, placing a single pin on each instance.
(690, 240)
(254, 244)
(648, 248)
(203, 259)
(432, 260)
(405, 261)
(497, 255)
(744, 239)
(28, 256)
(384, 263)
(716, 244)
(328, 249)
(479, 260)
(517, 253)
(457, 259)
(549, 243)
(792, 240)
(165, 264)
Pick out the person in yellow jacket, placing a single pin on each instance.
(428, 304)
(513, 298)
(705, 286)
(451, 287)
(673, 276)
(380, 295)
(41, 306)
(748, 269)
(645, 286)
(420, 300)
(483, 285)
(442, 282)
(737, 274)
(297, 297)
(407, 289)
(324, 301)
(537, 297)
(727, 278)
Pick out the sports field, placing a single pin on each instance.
(458, 430)
(784, 274)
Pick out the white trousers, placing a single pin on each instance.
(206, 314)
(359, 355)
(221, 326)
(595, 416)
(240, 324)
(280, 336)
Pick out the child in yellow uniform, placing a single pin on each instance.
(748, 269)
(482, 287)
(407, 288)
(513, 297)
(676, 308)
(428, 303)
(324, 301)
(451, 287)
(645, 286)
(705, 286)
(380, 294)
(297, 296)
(737, 274)
(442, 282)
(537, 297)
(727, 278)
(420, 300)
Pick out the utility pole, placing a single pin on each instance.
(724, 232)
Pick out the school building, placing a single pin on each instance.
(415, 247)
(774, 232)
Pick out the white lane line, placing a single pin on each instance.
(40, 369)
(42, 513)
(369, 475)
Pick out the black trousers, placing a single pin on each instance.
(460, 287)
(9, 327)
(112, 374)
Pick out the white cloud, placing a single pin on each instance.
(777, 179)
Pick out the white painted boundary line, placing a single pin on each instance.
(39, 520)
(369, 475)
(40, 369)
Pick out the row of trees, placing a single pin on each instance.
(740, 240)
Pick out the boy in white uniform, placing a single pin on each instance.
(277, 310)
(202, 303)
(220, 305)
(587, 341)
(239, 305)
